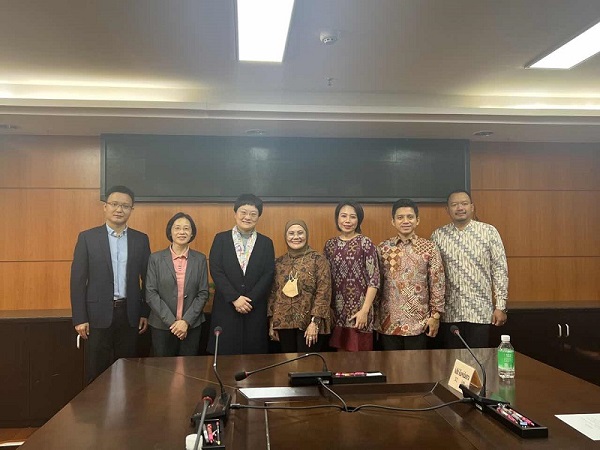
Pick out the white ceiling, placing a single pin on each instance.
(401, 68)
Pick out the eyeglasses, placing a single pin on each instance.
(116, 205)
(252, 214)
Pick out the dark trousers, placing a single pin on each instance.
(165, 343)
(293, 341)
(106, 345)
(395, 342)
(477, 335)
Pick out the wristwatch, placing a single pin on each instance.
(316, 321)
(436, 316)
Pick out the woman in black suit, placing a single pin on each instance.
(242, 263)
(176, 291)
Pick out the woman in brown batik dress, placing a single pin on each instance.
(299, 305)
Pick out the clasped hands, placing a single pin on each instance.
(243, 304)
(179, 328)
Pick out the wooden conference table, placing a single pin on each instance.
(146, 404)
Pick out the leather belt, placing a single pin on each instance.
(118, 302)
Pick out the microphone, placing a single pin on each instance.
(208, 397)
(220, 408)
(480, 399)
(454, 330)
(218, 331)
(296, 378)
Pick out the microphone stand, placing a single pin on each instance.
(200, 423)
(220, 408)
(208, 397)
(296, 378)
(480, 399)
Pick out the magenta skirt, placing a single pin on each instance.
(350, 339)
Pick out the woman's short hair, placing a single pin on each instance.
(248, 199)
(172, 220)
(360, 214)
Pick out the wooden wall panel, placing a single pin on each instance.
(49, 162)
(213, 218)
(543, 223)
(553, 279)
(43, 224)
(34, 285)
(44, 284)
(542, 197)
(534, 166)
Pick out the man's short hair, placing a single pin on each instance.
(404, 203)
(249, 199)
(172, 220)
(360, 214)
(458, 191)
(121, 190)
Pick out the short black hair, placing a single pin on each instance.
(459, 191)
(172, 220)
(121, 190)
(249, 199)
(360, 214)
(404, 203)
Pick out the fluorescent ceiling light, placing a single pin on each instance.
(578, 49)
(262, 29)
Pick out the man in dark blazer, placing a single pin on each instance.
(107, 277)
(242, 264)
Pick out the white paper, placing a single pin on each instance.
(588, 424)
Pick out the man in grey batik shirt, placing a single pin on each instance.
(476, 275)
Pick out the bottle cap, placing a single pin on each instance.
(505, 338)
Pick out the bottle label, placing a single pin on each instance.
(506, 359)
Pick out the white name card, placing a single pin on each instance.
(463, 374)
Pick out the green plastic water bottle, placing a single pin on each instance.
(506, 358)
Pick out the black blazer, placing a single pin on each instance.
(92, 279)
(242, 333)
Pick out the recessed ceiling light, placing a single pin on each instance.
(578, 49)
(263, 27)
(328, 38)
(8, 126)
(256, 132)
(483, 133)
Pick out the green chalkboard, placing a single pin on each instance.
(217, 168)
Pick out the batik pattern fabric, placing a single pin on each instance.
(313, 299)
(476, 271)
(413, 285)
(354, 268)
